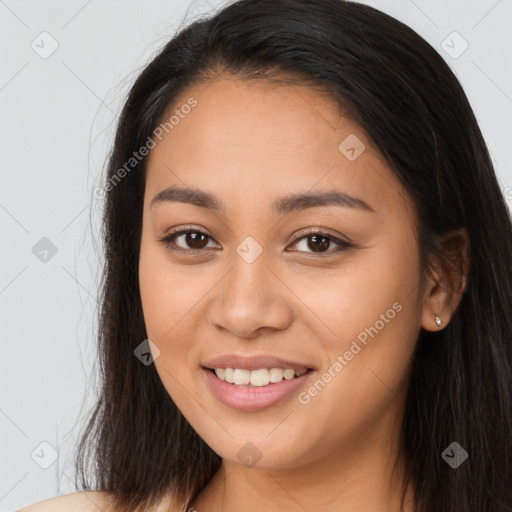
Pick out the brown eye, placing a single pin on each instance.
(318, 242)
(192, 239)
(196, 239)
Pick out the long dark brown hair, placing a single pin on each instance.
(137, 445)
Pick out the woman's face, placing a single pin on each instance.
(266, 278)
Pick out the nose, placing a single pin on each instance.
(250, 299)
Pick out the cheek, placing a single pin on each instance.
(162, 310)
(368, 321)
(165, 292)
(170, 296)
(352, 297)
(156, 297)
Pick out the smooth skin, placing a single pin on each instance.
(249, 144)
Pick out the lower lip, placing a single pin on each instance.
(250, 399)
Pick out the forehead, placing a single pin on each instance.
(253, 137)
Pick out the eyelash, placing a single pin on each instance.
(168, 241)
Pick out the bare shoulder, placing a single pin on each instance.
(83, 501)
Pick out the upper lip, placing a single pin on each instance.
(253, 362)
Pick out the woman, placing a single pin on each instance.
(307, 290)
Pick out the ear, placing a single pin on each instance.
(444, 293)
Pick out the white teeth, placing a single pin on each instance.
(261, 377)
(289, 374)
(241, 376)
(276, 374)
(228, 375)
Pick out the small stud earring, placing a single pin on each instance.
(438, 320)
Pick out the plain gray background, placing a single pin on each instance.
(58, 114)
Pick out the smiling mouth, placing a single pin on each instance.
(256, 378)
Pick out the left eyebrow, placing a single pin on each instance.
(283, 205)
(299, 202)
